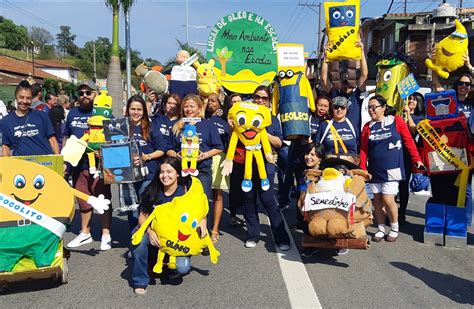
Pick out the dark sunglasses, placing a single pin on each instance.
(83, 93)
(257, 97)
(339, 107)
(467, 84)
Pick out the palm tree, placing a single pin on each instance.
(114, 76)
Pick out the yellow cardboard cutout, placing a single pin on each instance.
(33, 193)
(449, 52)
(207, 81)
(390, 73)
(342, 26)
(250, 121)
(175, 224)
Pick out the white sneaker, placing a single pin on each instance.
(106, 242)
(250, 244)
(342, 251)
(80, 240)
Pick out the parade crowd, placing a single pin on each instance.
(386, 147)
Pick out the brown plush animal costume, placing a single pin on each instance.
(335, 223)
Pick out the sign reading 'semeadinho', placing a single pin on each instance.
(243, 44)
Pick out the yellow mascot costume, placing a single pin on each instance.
(342, 24)
(176, 224)
(250, 121)
(207, 81)
(449, 52)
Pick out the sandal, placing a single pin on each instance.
(140, 291)
(379, 238)
(215, 236)
(392, 238)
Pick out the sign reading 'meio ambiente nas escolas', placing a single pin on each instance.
(243, 44)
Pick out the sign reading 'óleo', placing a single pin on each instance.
(243, 45)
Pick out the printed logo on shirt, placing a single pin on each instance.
(380, 134)
(164, 130)
(80, 122)
(29, 131)
(346, 134)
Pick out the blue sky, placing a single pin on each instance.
(155, 24)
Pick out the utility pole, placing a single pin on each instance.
(33, 56)
(95, 64)
(187, 22)
(128, 56)
(319, 12)
(405, 7)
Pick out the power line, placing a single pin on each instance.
(297, 26)
(292, 24)
(288, 22)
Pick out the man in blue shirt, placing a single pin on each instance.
(76, 124)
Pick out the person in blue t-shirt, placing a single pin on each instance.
(168, 113)
(210, 143)
(76, 124)
(167, 184)
(261, 96)
(216, 111)
(349, 90)
(151, 146)
(338, 135)
(27, 131)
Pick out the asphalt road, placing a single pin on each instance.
(406, 273)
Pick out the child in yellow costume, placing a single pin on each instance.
(189, 150)
(250, 121)
(342, 24)
(293, 96)
(450, 52)
(175, 223)
(36, 207)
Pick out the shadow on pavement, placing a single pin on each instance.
(457, 289)
(32, 285)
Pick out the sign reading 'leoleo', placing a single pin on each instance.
(243, 45)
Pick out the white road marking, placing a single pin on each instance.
(298, 284)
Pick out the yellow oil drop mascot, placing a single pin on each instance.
(449, 52)
(36, 207)
(250, 121)
(175, 223)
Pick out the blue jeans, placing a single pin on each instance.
(140, 277)
(205, 176)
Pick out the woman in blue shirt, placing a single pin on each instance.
(210, 143)
(151, 146)
(165, 186)
(27, 131)
(338, 135)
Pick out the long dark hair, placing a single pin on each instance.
(145, 123)
(318, 148)
(56, 115)
(389, 110)
(161, 109)
(150, 197)
(420, 104)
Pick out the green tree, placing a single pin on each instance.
(40, 36)
(66, 41)
(47, 52)
(114, 76)
(12, 36)
(102, 50)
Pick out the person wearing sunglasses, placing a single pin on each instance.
(339, 136)
(76, 124)
(261, 96)
(381, 154)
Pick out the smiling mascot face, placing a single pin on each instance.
(449, 52)
(250, 120)
(36, 186)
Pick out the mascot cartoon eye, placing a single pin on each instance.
(241, 119)
(282, 74)
(289, 73)
(106, 113)
(387, 75)
(194, 223)
(94, 111)
(38, 182)
(257, 121)
(184, 217)
(19, 181)
(350, 14)
(336, 14)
